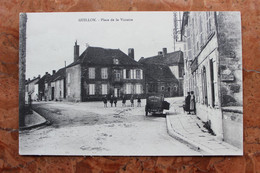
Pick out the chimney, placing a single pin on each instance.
(160, 53)
(164, 51)
(33, 77)
(131, 53)
(46, 73)
(39, 76)
(29, 79)
(53, 72)
(76, 51)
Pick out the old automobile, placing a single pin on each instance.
(155, 104)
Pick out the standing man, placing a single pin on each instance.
(105, 101)
(187, 103)
(115, 101)
(138, 101)
(123, 101)
(192, 102)
(111, 100)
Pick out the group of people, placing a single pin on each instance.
(113, 100)
(190, 105)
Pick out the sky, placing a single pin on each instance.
(51, 36)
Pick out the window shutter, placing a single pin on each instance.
(131, 74)
(141, 74)
(124, 73)
(134, 74)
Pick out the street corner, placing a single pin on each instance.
(33, 120)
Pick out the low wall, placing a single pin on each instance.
(233, 128)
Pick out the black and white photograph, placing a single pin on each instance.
(131, 84)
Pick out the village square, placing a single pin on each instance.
(105, 102)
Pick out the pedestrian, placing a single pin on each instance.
(115, 101)
(105, 101)
(123, 101)
(187, 103)
(138, 101)
(192, 102)
(132, 101)
(111, 100)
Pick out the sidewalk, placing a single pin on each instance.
(33, 120)
(189, 129)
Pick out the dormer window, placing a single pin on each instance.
(115, 61)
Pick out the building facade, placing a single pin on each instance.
(160, 80)
(31, 89)
(100, 72)
(213, 68)
(174, 61)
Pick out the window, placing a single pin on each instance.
(162, 88)
(115, 61)
(104, 73)
(91, 72)
(91, 89)
(104, 89)
(117, 74)
(138, 74)
(68, 77)
(138, 89)
(128, 88)
(127, 74)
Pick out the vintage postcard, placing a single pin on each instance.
(131, 84)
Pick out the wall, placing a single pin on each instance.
(73, 87)
(59, 90)
(230, 54)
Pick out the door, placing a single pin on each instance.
(52, 93)
(117, 92)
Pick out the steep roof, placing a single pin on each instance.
(33, 80)
(104, 56)
(44, 78)
(154, 72)
(173, 58)
(60, 74)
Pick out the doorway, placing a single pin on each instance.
(116, 92)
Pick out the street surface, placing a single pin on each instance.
(90, 129)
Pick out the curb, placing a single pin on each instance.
(34, 125)
(194, 145)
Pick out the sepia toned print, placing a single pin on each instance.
(138, 83)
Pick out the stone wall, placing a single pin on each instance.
(230, 56)
(73, 83)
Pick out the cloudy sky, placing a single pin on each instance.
(51, 36)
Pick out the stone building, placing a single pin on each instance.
(100, 72)
(213, 70)
(57, 83)
(174, 61)
(41, 86)
(31, 88)
(160, 80)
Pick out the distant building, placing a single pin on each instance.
(41, 86)
(100, 72)
(31, 89)
(160, 80)
(213, 70)
(174, 61)
(58, 85)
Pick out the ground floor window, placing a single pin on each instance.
(91, 89)
(104, 89)
(128, 89)
(138, 89)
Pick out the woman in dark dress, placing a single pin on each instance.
(187, 103)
